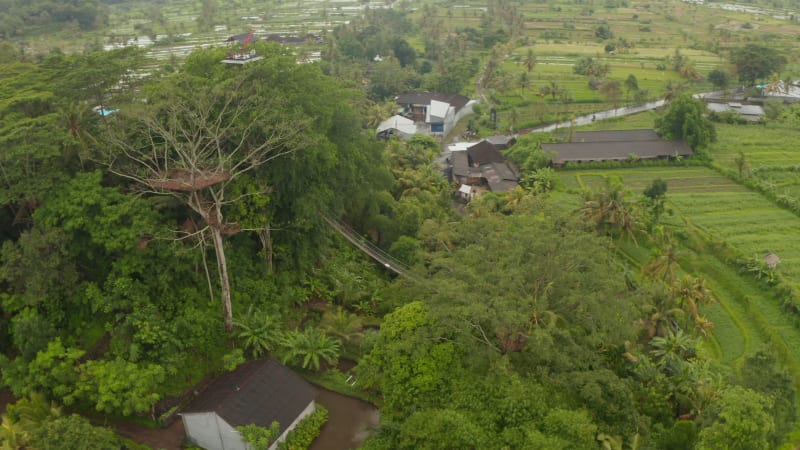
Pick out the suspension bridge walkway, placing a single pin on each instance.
(385, 259)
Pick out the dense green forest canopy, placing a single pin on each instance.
(182, 230)
(107, 284)
(17, 16)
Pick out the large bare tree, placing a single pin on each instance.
(194, 145)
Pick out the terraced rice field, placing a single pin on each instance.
(716, 205)
(707, 203)
(771, 146)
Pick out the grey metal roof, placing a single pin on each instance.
(258, 392)
(460, 162)
(753, 111)
(501, 141)
(615, 136)
(616, 151)
(424, 98)
(241, 38)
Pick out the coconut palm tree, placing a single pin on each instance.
(523, 81)
(664, 265)
(309, 348)
(672, 350)
(25, 416)
(343, 325)
(12, 434)
(673, 90)
(530, 60)
(609, 210)
(258, 332)
(689, 292)
(661, 315)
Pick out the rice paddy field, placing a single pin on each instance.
(774, 146)
(171, 30)
(715, 205)
(559, 33)
(705, 203)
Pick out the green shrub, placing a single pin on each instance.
(306, 431)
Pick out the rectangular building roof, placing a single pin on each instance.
(424, 98)
(257, 392)
(616, 150)
(615, 136)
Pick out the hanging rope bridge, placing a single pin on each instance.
(387, 260)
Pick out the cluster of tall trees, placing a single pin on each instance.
(133, 239)
(523, 330)
(18, 17)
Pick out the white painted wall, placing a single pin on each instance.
(209, 431)
(308, 410)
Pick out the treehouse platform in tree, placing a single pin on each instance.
(241, 58)
(188, 181)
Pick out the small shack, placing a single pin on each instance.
(771, 260)
(258, 392)
(481, 165)
(397, 126)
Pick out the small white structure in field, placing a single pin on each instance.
(771, 260)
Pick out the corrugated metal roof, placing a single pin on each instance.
(745, 110)
(616, 151)
(399, 123)
(615, 136)
(424, 98)
(439, 109)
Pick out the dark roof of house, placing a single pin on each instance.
(241, 38)
(424, 98)
(258, 392)
(460, 162)
(616, 150)
(499, 177)
(291, 39)
(483, 160)
(484, 152)
(502, 141)
(615, 136)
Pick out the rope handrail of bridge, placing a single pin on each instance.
(367, 247)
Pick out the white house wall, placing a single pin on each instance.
(211, 432)
(449, 120)
(307, 411)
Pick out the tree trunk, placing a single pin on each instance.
(222, 268)
(268, 248)
(265, 237)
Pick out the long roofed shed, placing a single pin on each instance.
(618, 145)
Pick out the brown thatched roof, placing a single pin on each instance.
(185, 180)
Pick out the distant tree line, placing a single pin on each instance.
(18, 16)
